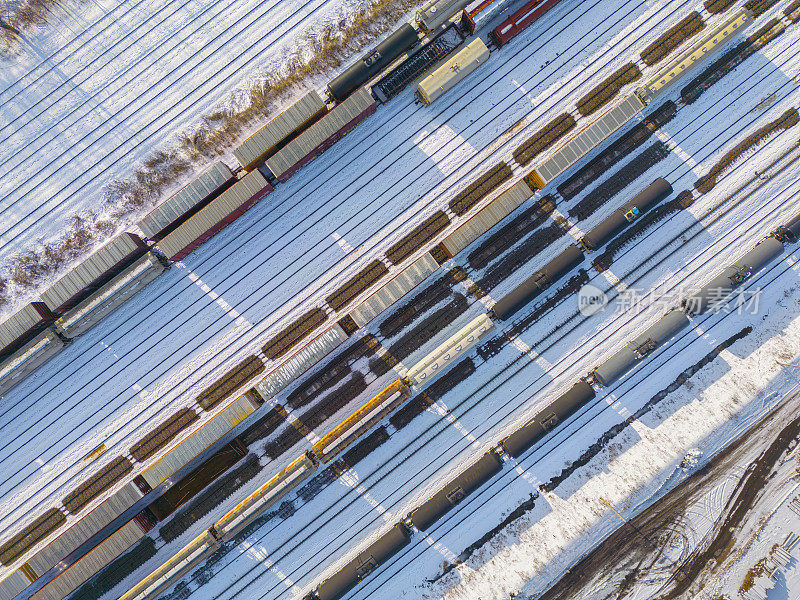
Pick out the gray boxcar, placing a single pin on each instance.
(164, 218)
(109, 297)
(719, 288)
(479, 473)
(321, 135)
(22, 326)
(93, 272)
(626, 214)
(274, 135)
(435, 12)
(561, 408)
(640, 347)
(362, 565)
(526, 291)
(29, 358)
(371, 64)
(212, 219)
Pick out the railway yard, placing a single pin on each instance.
(505, 336)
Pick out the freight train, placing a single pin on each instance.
(125, 267)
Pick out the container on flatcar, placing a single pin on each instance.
(558, 410)
(183, 204)
(346, 578)
(433, 365)
(27, 359)
(23, 326)
(519, 20)
(362, 420)
(626, 214)
(190, 446)
(695, 54)
(321, 135)
(93, 272)
(279, 131)
(436, 12)
(479, 13)
(264, 497)
(109, 297)
(160, 580)
(534, 285)
(454, 492)
(93, 562)
(584, 142)
(455, 69)
(417, 63)
(638, 348)
(486, 218)
(713, 293)
(212, 219)
(393, 290)
(372, 63)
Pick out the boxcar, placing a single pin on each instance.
(215, 217)
(165, 217)
(513, 25)
(94, 271)
(321, 135)
(22, 326)
(584, 142)
(435, 12)
(479, 13)
(109, 297)
(452, 71)
(371, 64)
(13, 583)
(27, 359)
(274, 135)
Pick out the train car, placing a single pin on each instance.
(190, 446)
(301, 361)
(109, 297)
(586, 140)
(188, 200)
(417, 63)
(217, 215)
(22, 326)
(362, 420)
(519, 20)
(454, 492)
(445, 355)
(30, 357)
(321, 135)
(455, 69)
(558, 410)
(486, 218)
(93, 272)
(393, 290)
(640, 347)
(279, 131)
(437, 12)
(257, 503)
(13, 583)
(479, 13)
(720, 287)
(516, 299)
(95, 560)
(372, 63)
(165, 576)
(361, 566)
(694, 55)
(626, 214)
(790, 232)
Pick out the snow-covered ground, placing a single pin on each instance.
(224, 301)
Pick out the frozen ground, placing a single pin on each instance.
(121, 379)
